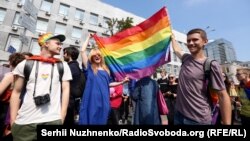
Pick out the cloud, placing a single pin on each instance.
(194, 2)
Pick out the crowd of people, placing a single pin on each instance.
(61, 93)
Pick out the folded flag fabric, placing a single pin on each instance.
(138, 51)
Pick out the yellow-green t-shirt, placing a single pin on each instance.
(245, 109)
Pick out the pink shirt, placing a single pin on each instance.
(116, 96)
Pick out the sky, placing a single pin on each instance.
(228, 19)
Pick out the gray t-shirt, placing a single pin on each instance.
(192, 100)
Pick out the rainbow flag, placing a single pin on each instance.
(138, 51)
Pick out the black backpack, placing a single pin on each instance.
(27, 70)
(77, 92)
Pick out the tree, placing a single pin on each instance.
(124, 24)
(111, 24)
(120, 25)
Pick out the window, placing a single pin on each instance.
(175, 70)
(22, 1)
(2, 15)
(93, 19)
(63, 10)
(35, 48)
(76, 32)
(79, 14)
(60, 28)
(175, 57)
(41, 25)
(168, 68)
(17, 16)
(14, 41)
(46, 5)
(105, 25)
(75, 47)
(105, 35)
(227, 70)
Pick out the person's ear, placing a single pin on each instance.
(46, 44)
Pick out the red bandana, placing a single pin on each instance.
(44, 59)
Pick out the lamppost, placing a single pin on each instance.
(208, 29)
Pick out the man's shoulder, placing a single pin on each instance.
(186, 57)
(213, 63)
(19, 67)
(74, 67)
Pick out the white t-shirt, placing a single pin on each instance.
(29, 112)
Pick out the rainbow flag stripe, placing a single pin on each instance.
(138, 51)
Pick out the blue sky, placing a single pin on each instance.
(229, 18)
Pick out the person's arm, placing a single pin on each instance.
(113, 84)
(65, 99)
(177, 49)
(6, 82)
(225, 107)
(84, 53)
(15, 98)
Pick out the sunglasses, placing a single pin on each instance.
(171, 77)
(97, 55)
(238, 74)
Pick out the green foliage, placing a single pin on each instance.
(120, 25)
(124, 23)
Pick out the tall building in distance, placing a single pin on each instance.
(221, 50)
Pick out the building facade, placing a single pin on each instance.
(221, 50)
(73, 18)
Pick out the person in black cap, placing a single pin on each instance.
(46, 98)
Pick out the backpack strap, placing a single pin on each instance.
(27, 69)
(60, 70)
(207, 68)
(207, 78)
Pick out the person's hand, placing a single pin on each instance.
(172, 36)
(168, 94)
(238, 104)
(126, 79)
(91, 35)
(175, 95)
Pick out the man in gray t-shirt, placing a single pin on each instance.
(192, 105)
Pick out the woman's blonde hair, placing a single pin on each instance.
(94, 66)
